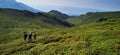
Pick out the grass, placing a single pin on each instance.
(12, 18)
(93, 17)
(102, 38)
(90, 39)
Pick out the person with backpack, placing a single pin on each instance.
(34, 35)
(30, 37)
(25, 36)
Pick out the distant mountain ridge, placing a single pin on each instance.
(71, 11)
(12, 18)
(67, 10)
(93, 17)
(16, 5)
(59, 14)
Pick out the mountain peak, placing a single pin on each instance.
(13, 1)
(16, 5)
(58, 14)
(55, 11)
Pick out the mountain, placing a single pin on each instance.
(58, 14)
(74, 11)
(12, 18)
(16, 5)
(101, 38)
(67, 10)
(93, 17)
(71, 11)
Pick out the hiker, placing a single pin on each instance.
(30, 37)
(34, 35)
(25, 36)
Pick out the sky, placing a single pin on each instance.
(47, 5)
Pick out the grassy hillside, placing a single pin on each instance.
(11, 18)
(92, 17)
(14, 21)
(91, 39)
(53, 38)
(58, 14)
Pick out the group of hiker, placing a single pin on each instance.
(30, 35)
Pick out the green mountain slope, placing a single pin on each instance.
(93, 17)
(101, 38)
(58, 14)
(91, 39)
(11, 18)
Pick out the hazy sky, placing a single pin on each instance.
(52, 4)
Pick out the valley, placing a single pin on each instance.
(56, 36)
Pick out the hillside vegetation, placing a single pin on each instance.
(101, 38)
(12, 20)
(58, 14)
(93, 17)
